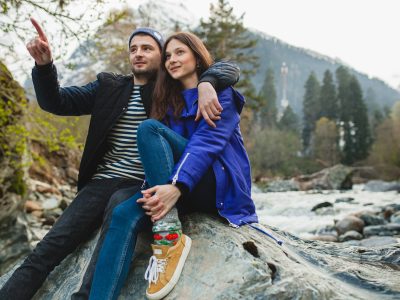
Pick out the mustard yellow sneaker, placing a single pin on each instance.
(165, 267)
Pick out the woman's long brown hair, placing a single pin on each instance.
(167, 91)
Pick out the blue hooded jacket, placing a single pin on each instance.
(222, 148)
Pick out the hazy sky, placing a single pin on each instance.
(363, 33)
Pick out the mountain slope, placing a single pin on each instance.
(301, 62)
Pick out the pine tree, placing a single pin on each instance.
(289, 121)
(354, 123)
(376, 119)
(343, 79)
(227, 38)
(328, 100)
(310, 110)
(267, 105)
(361, 129)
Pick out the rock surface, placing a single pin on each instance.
(335, 178)
(381, 186)
(382, 230)
(338, 177)
(13, 237)
(350, 235)
(349, 223)
(321, 205)
(220, 267)
(283, 186)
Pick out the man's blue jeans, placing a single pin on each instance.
(160, 148)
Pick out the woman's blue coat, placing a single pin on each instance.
(222, 148)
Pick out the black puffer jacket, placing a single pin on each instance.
(105, 99)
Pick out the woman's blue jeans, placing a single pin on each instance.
(160, 148)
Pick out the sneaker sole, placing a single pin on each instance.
(175, 277)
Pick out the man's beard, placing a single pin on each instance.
(145, 73)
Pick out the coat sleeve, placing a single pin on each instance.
(207, 143)
(221, 75)
(68, 101)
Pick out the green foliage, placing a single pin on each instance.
(267, 115)
(21, 123)
(274, 152)
(325, 148)
(55, 131)
(311, 109)
(385, 151)
(18, 185)
(376, 119)
(362, 134)
(327, 99)
(289, 121)
(13, 135)
(343, 79)
(227, 38)
(353, 117)
(61, 14)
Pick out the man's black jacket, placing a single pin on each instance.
(105, 99)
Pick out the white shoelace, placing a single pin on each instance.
(155, 267)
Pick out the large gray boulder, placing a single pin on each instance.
(243, 263)
(283, 186)
(337, 177)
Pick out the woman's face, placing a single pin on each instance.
(181, 63)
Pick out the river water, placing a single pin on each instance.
(291, 211)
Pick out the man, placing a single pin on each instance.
(110, 170)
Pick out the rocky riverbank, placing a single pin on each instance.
(228, 263)
(364, 227)
(351, 250)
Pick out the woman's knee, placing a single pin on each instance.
(128, 211)
(147, 127)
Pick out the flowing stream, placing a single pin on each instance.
(291, 211)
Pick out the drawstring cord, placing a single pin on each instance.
(279, 242)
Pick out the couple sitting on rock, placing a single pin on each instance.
(138, 172)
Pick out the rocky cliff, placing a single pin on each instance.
(13, 143)
(35, 184)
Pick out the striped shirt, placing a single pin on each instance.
(122, 157)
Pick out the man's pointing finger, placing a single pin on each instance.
(38, 29)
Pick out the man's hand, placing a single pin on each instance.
(208, 106)
(39, 47)
(161, 202)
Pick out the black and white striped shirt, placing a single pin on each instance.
(122, 157)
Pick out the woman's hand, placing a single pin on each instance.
(208, 105)
(159, 200)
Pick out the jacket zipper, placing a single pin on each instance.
(143, 184)
(175, 178)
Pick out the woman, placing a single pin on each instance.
(207, 169)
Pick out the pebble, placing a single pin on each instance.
(321, 205)
(349, 223)
(372, 220)
(395, 218)
(382, 230)
(345, 200)
(350, 235)
(31, 206)
(324, 238)
(378, 241)
(50, 203)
